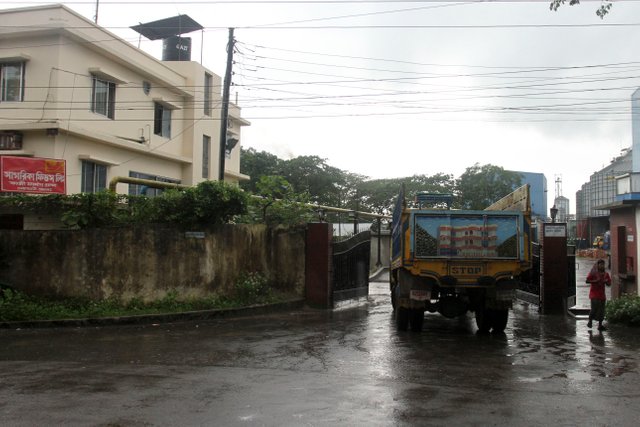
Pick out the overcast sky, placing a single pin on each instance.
(396, 88)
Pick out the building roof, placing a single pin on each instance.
(618, 204)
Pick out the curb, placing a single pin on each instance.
(158, 318)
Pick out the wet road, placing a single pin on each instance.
(316, 368)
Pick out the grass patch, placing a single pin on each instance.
(251, 289)
(625, 309)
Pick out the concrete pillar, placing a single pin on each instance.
(553, 268)
(318, 283)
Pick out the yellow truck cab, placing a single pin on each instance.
(455, 261)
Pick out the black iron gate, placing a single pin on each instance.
(529, 285)
(350, 274)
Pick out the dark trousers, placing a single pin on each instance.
(597, 310)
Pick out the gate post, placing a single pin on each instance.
(318, 267)
(553, 269)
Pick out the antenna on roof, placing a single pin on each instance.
(95, 18)
(558, 186)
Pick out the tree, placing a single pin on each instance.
(323, 183)
(257, 164)
(277, 203)
(313, 175)
(480, 186)
(604, 8)
(380, 195)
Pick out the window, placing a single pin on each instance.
(103, 97)
(94, 177)
(208, 84)
(162, 120)
(12, 82)
(143, 190)
(206, 155)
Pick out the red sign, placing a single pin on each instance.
(33, 175)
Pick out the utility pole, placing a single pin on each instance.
(225, 106)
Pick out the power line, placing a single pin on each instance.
(360, 15)
(270, 2)
(379, 27)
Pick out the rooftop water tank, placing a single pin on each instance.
(176, 48)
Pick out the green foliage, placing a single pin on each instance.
(92, 210)
(311, 175)
(276, 203)
(251, 289)
(379, 196)
(480, 186)
(208, 203)
(50, 203)
(625, 309)
(257, 164)
(323, 184)
(604, 9)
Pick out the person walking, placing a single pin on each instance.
(598, 278)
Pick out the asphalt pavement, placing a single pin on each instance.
(307, 367)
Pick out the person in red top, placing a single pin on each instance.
(598, 278)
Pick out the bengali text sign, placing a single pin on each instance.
(33, 175)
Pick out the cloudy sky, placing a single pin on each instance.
(396, 88)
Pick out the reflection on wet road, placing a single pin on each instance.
(310, 367)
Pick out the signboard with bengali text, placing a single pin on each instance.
(33, 175)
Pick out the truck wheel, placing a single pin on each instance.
(483, 320)
(402, 318)
(417, 319)
(499, 320)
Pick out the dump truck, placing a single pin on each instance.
(458, 261)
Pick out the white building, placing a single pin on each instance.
(74, 91)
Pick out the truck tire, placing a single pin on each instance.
(483, 320)
(402, 318)
(499, 320)
(417, 319)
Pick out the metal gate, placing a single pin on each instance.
(529, 285)
(351, 260)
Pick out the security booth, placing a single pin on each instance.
(624, 250)
(624, 220)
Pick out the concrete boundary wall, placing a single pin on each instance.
(147, 262)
